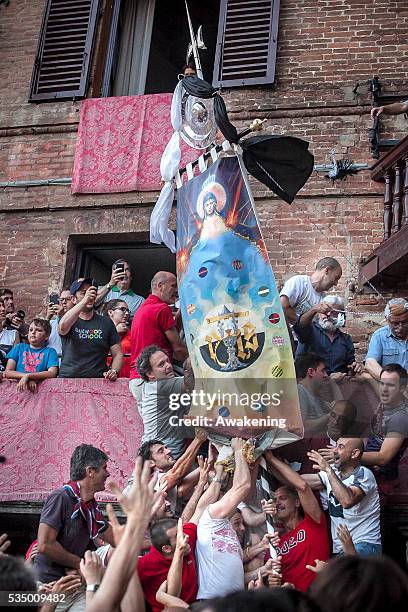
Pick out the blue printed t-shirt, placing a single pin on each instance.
(29, 359)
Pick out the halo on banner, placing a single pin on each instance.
(220, 194)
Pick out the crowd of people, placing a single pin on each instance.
(202, 532)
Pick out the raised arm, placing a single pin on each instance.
(346, 496)
(241, 484)
(388, 450)
(211, 495)
(121, 568)
(285, 474)
(72, 315)
(288, 311)
(183, 465)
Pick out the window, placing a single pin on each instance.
(142, 45)
(61, 67)
(148, 42)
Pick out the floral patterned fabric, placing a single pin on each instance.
(39, 431)
(120, 144)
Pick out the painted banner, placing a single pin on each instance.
(233, 321)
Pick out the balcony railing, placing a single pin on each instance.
(393, 170)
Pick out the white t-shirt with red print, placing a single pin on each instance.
(219, 558)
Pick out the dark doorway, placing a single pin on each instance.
(170, 39)
(145, 259)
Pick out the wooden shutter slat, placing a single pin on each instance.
(246, 43)
(65, 47)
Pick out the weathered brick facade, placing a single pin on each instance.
(328, 50)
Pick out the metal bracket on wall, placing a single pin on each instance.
(374, 131)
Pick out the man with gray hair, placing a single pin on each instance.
(71, 521)
(389, 344)
(325, 338)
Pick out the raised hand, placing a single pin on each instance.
(91, 567)
(256, 583)
(327, 453)
(319, 462)
(182, 545)
(346, 540)
(237, 444)
(317, 568)
(138, 502)
(204, 466)
(4, 543)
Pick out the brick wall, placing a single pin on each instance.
(328, 49)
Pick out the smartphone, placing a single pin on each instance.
(94, 283)
(54, 298)
(120, 267)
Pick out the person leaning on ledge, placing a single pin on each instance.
(87, 338)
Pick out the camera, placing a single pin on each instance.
(20, 314)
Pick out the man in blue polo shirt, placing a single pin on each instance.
(118, 288)
(389, 344)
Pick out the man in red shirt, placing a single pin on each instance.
(153, 568)
(154, 322)
(304, 536)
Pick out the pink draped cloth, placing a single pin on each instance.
(38, 433)
(120, 143)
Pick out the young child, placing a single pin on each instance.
(29, 363)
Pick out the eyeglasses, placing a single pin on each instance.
(338, 418)
(68, 299)
(123, 309)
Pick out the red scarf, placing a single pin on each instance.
(89, 510)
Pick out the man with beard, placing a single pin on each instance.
(325, 338)
(302, 293)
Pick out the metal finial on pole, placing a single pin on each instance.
(194, 45)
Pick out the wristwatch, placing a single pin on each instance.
(216, 479)
(92, 587)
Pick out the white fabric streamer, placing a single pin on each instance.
(169, 165)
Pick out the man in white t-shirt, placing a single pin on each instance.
(301, 293)
(353, 495)
(218, 550)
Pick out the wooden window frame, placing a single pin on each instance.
(268, 79)
(81, 90)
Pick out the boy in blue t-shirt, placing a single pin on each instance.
(29, 363)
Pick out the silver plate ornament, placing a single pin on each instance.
(198, 127)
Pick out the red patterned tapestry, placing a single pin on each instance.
(38, 433)
(120, 143)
